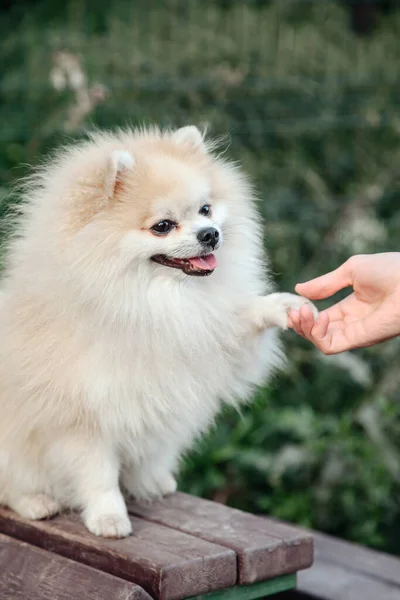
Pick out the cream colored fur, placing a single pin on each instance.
(111, 364)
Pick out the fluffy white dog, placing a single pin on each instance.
(135, 303)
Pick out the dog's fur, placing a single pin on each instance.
(111, 364)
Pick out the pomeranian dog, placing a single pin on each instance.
(135, 302)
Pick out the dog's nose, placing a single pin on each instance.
(208, 236)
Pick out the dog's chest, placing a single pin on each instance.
(162, 376)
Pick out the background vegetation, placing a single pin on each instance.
(312, 111)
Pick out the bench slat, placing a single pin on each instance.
(265, 548)
(29, 572)
(168, 564)
(330, 581)
(365, 560)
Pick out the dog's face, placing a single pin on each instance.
(166, 199)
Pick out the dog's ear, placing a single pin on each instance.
(189, 136)
(119, 162)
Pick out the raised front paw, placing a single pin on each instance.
(272, 310)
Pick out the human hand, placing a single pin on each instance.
(370, 315)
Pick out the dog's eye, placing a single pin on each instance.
(163, 227)
(205, 210)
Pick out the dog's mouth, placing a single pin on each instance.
(199, 266)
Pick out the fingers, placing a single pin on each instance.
(294, 322)
(302, 321)
(306, 320)
(326, 336)
(329, 284)
(320, 330)
(333, 337)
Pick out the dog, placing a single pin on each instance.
(136, 301)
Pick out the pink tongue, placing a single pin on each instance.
(204, 263)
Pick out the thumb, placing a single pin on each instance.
(327, 285)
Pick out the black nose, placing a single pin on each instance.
(208, 236)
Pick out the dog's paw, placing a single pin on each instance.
(35, 506)
(294, 302)
(109, 525)
(167, 485)
(149, 486)
(272, 310)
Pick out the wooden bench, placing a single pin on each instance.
(182, 547)
(346, 571)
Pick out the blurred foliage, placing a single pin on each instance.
(312, 112)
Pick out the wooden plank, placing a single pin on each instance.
(168, 564)
(360, 559)
(265, 548)
(261, 589)
(330, 581)
(30, 573)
